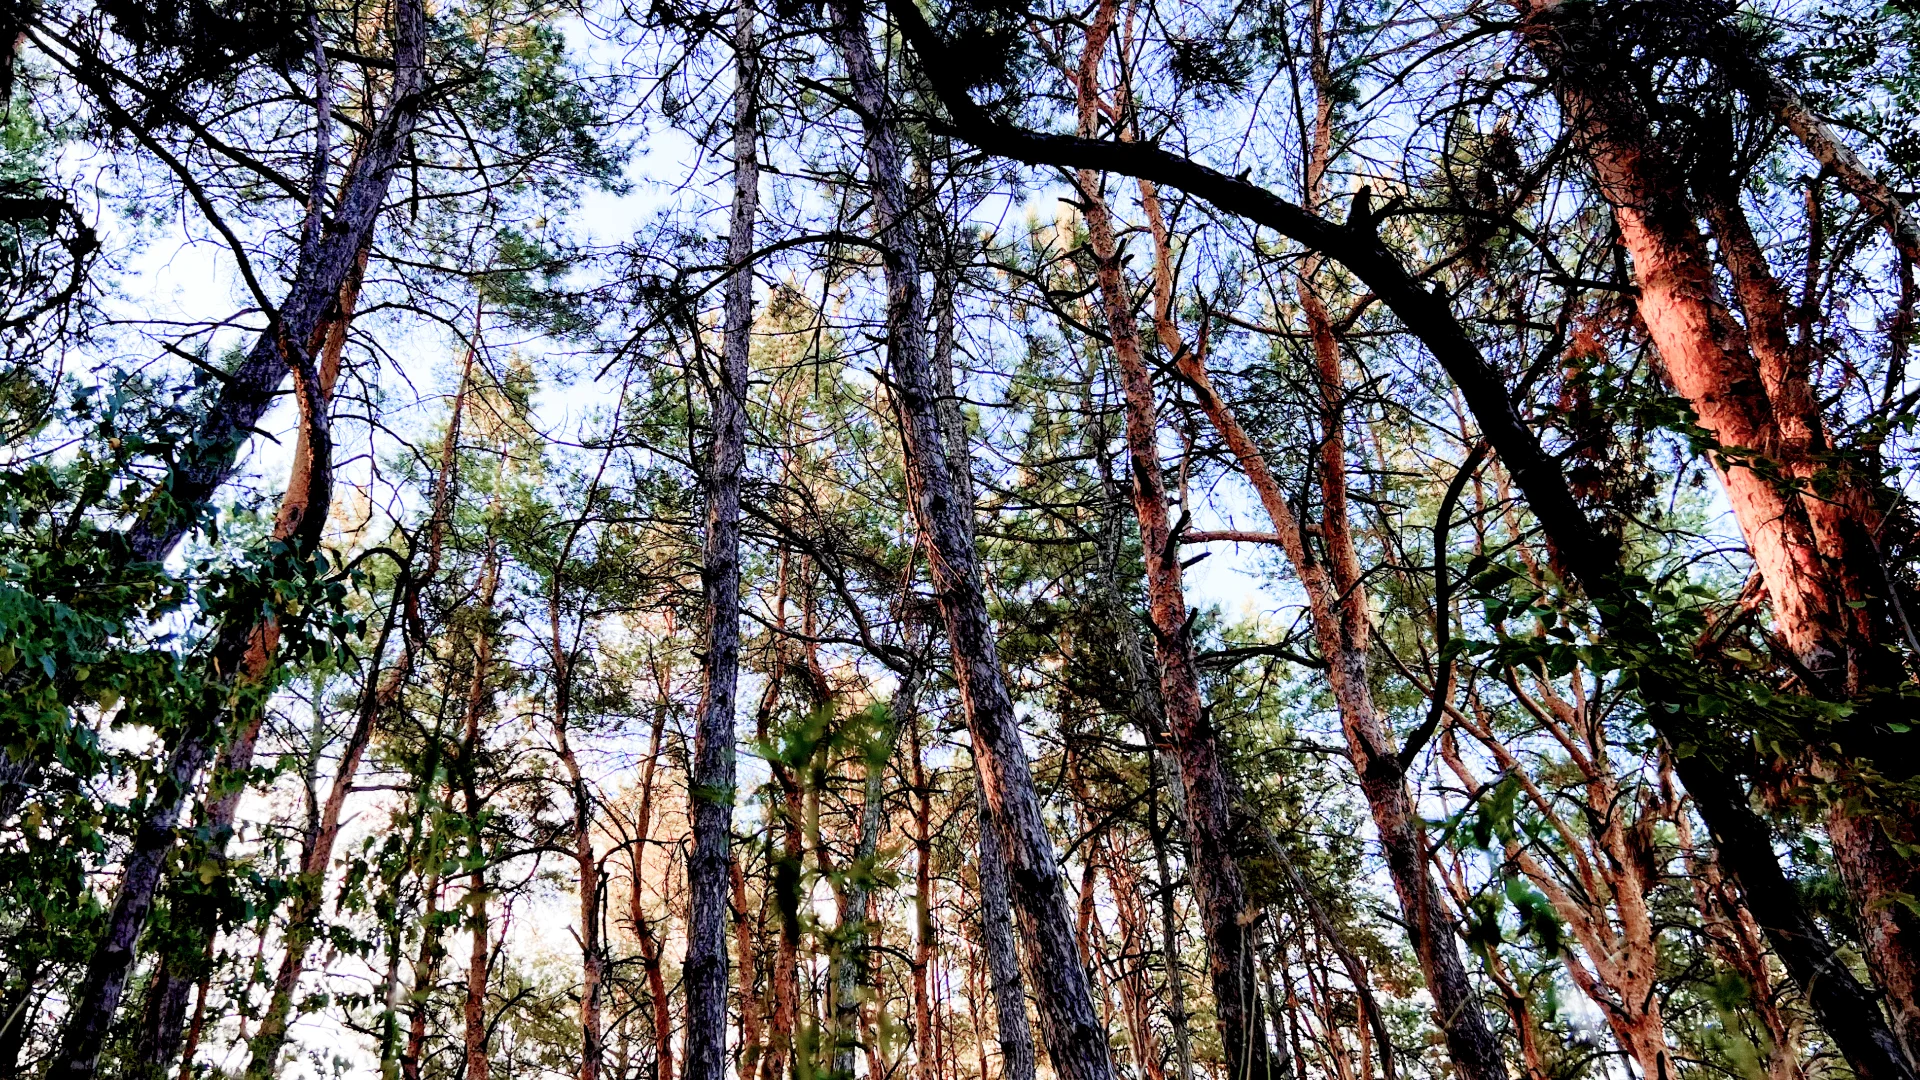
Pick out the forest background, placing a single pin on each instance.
(1153, 538)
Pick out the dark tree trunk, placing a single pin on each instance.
(925, 1058)
(711, 791)
(297, 331)
(1076, 1042)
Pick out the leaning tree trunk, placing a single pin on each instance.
(712, 781)
(1076, 1042)
(324, 266)
(293, 334)
(1752, 392)
(241, 662)
(164, 1025)
(1340, 632)
(1215, 873)
(1337, 613)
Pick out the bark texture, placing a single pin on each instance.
(1809, 517)
(1003, 963)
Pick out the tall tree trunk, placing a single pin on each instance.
(1843, 517)
(1677, 302)
(746, 948)
(474, 1014)
(782, 1050)
(783, 865)
(587, 864)
(241, 660)
(1075, 1043)
(1176, 989)
(426, 972)
(586, 858)
(711, 785)
(163, 1027)
(1214, 872)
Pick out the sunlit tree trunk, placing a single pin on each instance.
(163, 1025)
(382, 694)
(1135, 993)
(1750, 389)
